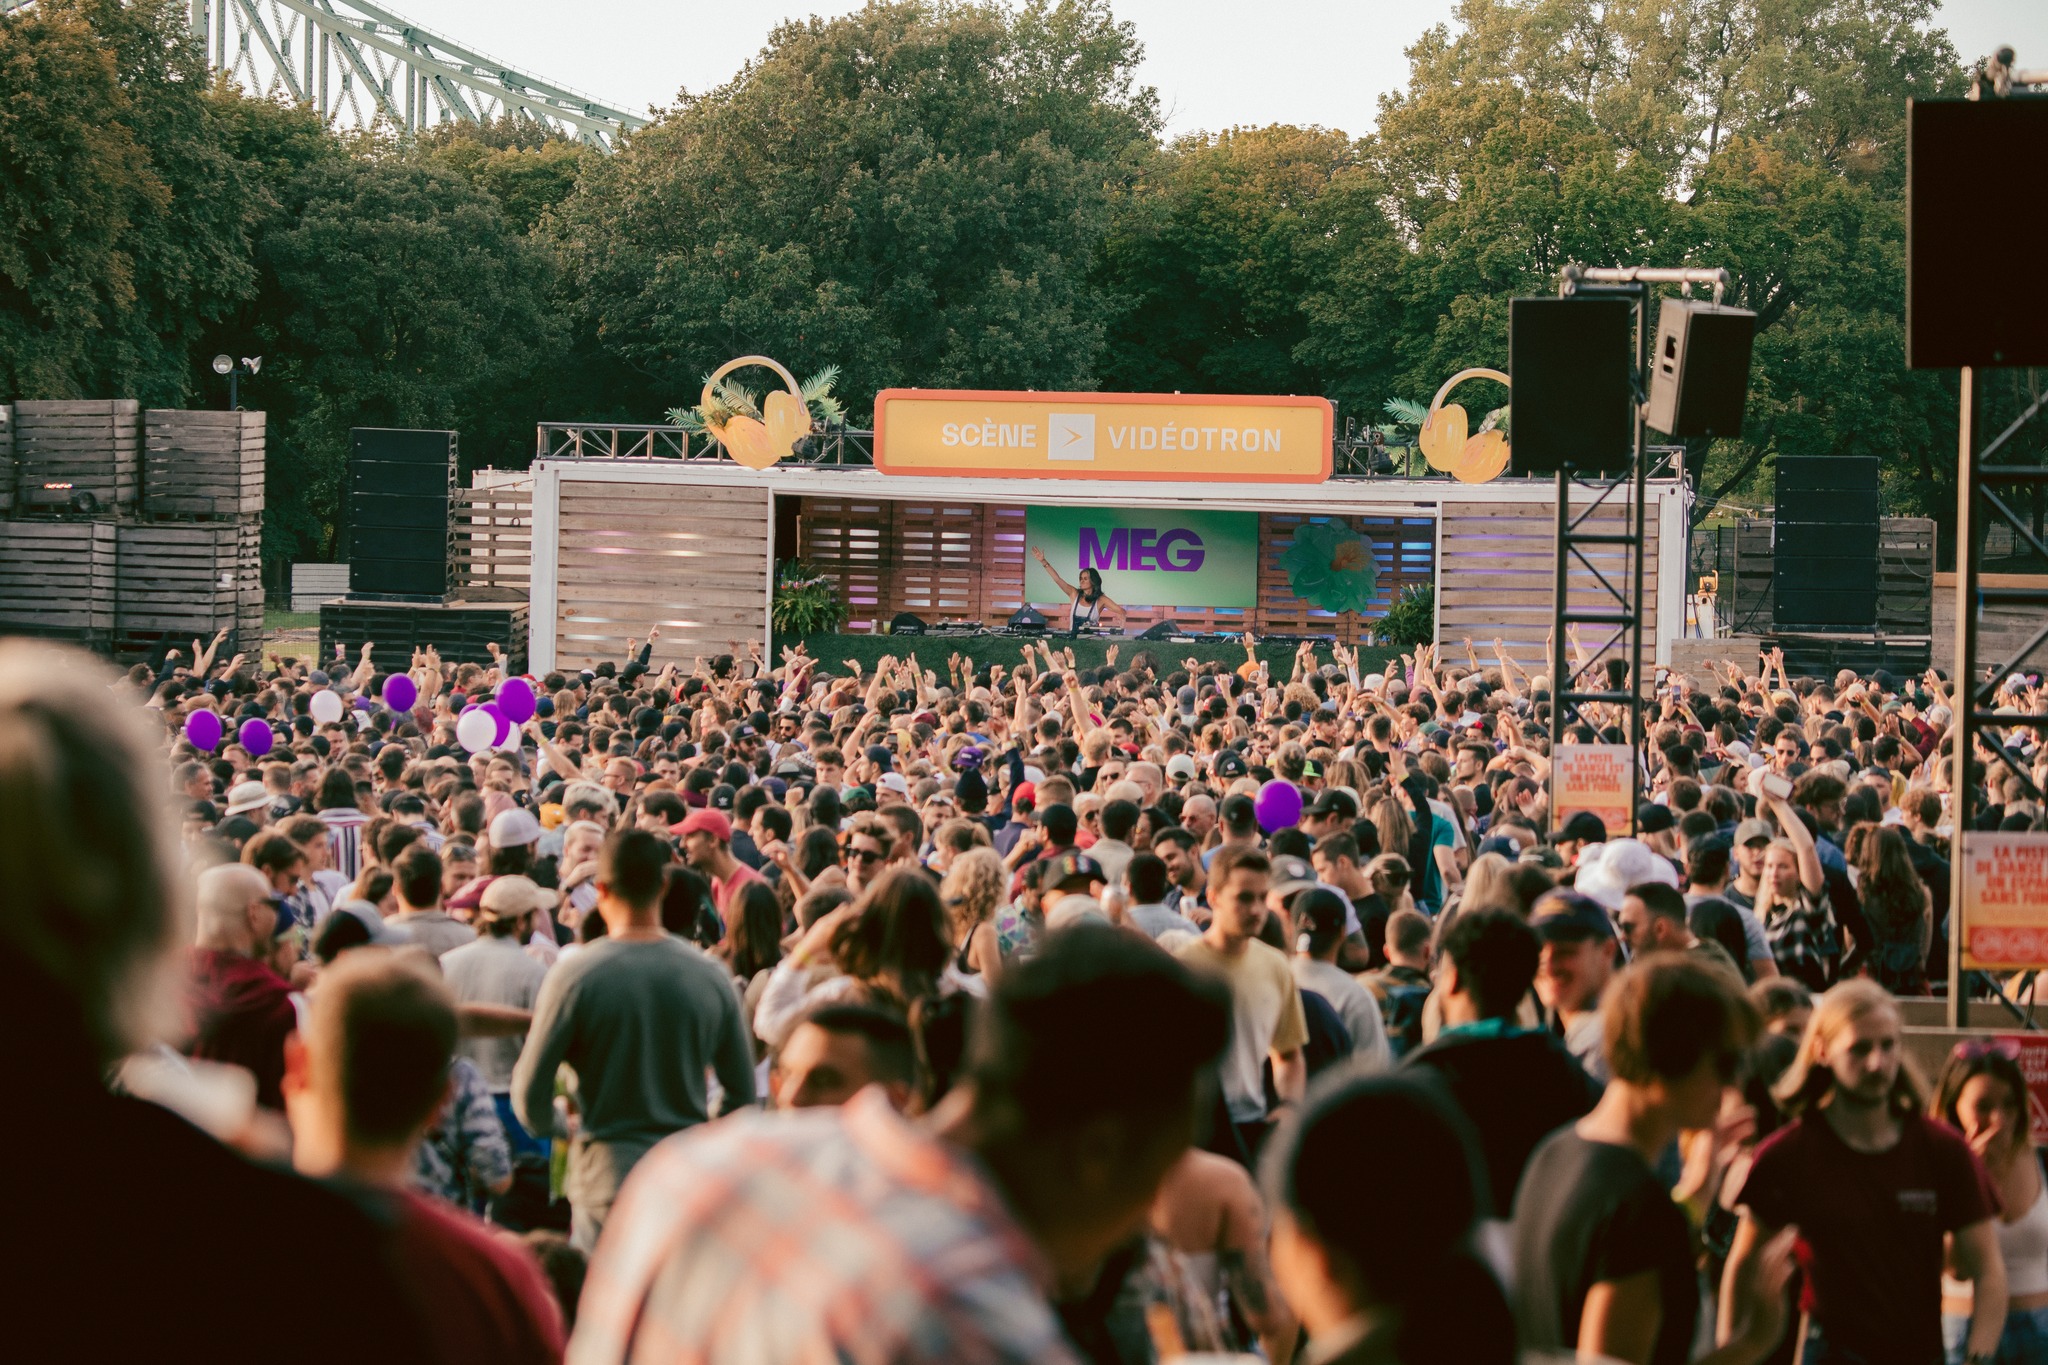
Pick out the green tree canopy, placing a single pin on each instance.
(915, 192)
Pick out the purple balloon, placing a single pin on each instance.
(1278, 805)
(361, 703)
(256, 737)
(496, 713)
(515, 699)
(202, 727)
(400, 692)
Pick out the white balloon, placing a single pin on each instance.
(475, 730)
(326, 706)
(512, 740)
(362, 720)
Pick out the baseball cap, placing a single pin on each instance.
(1229, 763)
(1652, 818)
(512, 828)
(1568, 917)
(879, 755)
(510, 897)
(1292, 874)
(1185, 699)
(710, 821)
(722, 797)
(1751, 830)
(246, 796)
(1073, 866)
(1181, 768)
(895, 782)
(1335, 801)
(1585, 827)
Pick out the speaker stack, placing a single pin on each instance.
(402, 590)
(1568, 365)
(1824, 565)
(400, 485)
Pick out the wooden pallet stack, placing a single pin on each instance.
(57, 580)
(6, 459)
(125, 532)
(77, 455)
(202, 464)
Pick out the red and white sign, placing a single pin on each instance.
(2005, 901)
(1594, 777)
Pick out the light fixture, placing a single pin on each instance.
(222, 364)
(253, 363)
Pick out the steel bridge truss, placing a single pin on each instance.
(360, 66)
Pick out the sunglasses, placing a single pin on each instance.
(865, 855)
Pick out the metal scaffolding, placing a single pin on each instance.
(359, 65)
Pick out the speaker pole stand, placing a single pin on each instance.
(1977, 480)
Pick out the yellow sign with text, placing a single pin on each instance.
(1182, 437)
(1594, 777)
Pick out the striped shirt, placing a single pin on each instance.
(345, 839)
(843, 1235)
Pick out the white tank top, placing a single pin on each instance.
(2024, 1245)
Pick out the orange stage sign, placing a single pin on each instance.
(1182, 437)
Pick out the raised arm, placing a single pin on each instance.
(1062, 584)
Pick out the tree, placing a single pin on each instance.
(914, 192)
(1210, 257)
(124, 224)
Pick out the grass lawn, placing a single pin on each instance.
(276, 619)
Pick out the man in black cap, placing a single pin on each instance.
(1577, 962)
(1071, 890)
(1580, 832)
(1332, 813)
(1657, 827)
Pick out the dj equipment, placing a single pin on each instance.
(1699, 370)
(1028, 620)
(1164, 630)
(400, 486)
(906, 624)
(1569, 362)
(1824, 565)
(1975, 203)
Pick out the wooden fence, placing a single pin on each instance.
(1501, 577)
(493, 542)
(966, 561)
(1744, 554)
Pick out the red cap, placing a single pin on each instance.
(1024, 791)
(710, 821)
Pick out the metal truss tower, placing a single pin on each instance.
(360, 65)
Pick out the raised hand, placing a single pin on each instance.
(1110, 655)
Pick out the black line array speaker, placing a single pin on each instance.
(1699, 369)
(1568, 369)
(400, 485)
(1824, 565)
(1976, 202)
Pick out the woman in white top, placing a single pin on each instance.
(1087, 601)
(1983, 1095)
(1318, 935)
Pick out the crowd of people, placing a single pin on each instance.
(779, 1012)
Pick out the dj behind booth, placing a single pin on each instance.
(1096, 518)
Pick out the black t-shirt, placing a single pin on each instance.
(1517, 1088)
(1591, 1211)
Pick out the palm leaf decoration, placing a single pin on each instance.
(729, 400)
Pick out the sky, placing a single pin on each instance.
(1215, 63)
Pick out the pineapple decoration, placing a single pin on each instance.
(758, 433)
(1473, 458)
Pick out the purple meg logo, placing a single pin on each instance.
(1141, 547)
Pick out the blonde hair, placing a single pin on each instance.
(1808, 1080)
(96, 907)
(973, 887)
(1487, 886)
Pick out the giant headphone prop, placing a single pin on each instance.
(758, 442)
(1445, 445)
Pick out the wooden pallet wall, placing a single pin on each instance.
(691, 559)
(202, 464)
(1500, 573)
(6, 458)
(57, 580)
(71, 446)
(177, 581)
(493, 554)
(1404, 549)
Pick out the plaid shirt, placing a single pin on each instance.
(1804, 941)
(831, 1235)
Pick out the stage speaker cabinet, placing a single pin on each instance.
(1699, 369)
(1569, 362)
(1163, 630)
(1976, 203)
(401, 484)
(1824, 562)
(903, 623)
(1029, 620)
